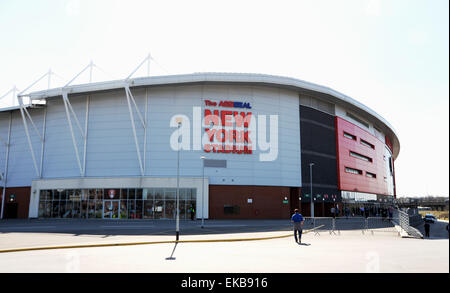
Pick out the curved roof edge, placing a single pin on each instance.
(243, 78)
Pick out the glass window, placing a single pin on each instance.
(391, 169)
(74, 194)
(139, 209)
(146, 194)
(76, 210)
(123, 209)
(367, 144)
(158, 209)
(99, 208)
(148, 209)
(353, 171)
(91, 209)
(147, 203)
(170, 194)
(183, 193)
(132, 209)
(183, 209)
(371, 175)
(48, 209)
(92, 194)
(71, 194)
(159, 193)
(124, 194)
(84, 209)
(41, 209)
(350, 136)
(56, 195)
(100, 194)
(65, 209)
(138, 193)
(170, 209)
(45, 195)
(131, 193)
(84, 194)
(55, 209)
(361, 157)
(357, 119)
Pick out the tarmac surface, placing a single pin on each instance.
(344, 250)
(438, 230)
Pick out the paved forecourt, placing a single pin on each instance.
(349, 251)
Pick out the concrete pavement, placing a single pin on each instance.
(347, 251)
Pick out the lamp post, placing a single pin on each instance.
(310, 182)
(203, 188)
(3, 195)
(179, 120)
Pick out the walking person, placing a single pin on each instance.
(297, 220)
(427, 229)
(192, 211)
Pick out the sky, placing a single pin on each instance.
(391, 55)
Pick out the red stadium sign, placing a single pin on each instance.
(227, 140)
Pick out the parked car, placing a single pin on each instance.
(429, 218)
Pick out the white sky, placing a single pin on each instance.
(392, 56)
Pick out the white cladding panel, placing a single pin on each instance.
(4, 127)
(59, 153)
(111, 148)
(165, 102)
(21, 169)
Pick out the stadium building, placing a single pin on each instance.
(234, 146)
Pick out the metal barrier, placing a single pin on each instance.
(407, 223)
(334, 226)
(379, 224)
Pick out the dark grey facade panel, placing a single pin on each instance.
(215, 163)
(318, 137)
(317, 123)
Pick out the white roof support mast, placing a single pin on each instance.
(130, 99)
(25, 114)
(71, 113)
(13, 96)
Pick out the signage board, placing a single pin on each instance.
(111, 193)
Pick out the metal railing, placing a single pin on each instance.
(408, 222)
(334, 226)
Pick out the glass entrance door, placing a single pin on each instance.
(111, 209)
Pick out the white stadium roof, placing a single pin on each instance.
(323, 92)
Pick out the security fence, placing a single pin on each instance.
(335, 226)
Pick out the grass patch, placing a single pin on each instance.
(441, 215)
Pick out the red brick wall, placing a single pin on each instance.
(267, 202)
(22, 198)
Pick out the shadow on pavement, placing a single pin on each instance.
(438, 231)
(107, 228)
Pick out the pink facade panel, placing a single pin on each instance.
(361, 161)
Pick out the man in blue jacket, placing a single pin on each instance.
(298, 220)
